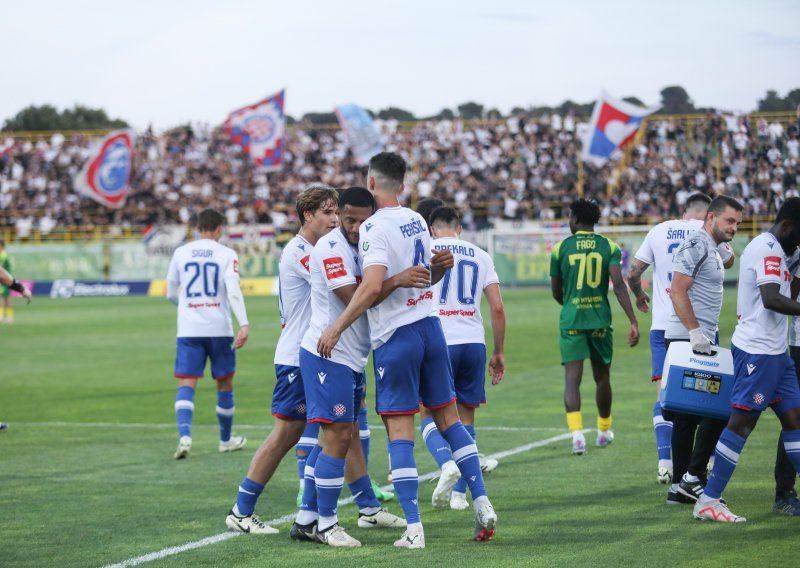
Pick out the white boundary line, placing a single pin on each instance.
(134, 425)
(173, 550)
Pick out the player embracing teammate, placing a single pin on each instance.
(410, 353)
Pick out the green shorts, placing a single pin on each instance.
(580, 344)
(4, 291)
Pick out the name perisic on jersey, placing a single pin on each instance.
(413, 228)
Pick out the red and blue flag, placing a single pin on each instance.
(613, 125)
(259, 130)
(105, 177)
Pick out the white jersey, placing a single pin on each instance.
(457, 296)
(203, 274)
(657, 250)
(294, 299)
(794, 321)
(760, 331)
(335, 263)
(396, 238)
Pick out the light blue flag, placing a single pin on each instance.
(364, 138)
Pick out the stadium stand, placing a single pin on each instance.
(522, 167)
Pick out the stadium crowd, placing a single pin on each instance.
(518, 168)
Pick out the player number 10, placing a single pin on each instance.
(590, 267)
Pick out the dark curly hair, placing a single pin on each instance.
(587, 212)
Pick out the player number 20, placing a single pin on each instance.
(210, 276)
(590, 267)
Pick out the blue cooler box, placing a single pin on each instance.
(697, 383)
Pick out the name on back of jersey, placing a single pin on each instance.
(678, 234)
(413, 228)
(457, 249)
(202, 253)
(585, 244)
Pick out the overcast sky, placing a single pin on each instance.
(167, 62)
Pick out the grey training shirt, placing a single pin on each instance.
(697, 257)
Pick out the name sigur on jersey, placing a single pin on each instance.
(205, 253)
(413, 228)
(457, 249)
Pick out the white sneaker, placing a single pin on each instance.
(411, 539)
(336, 536)
(485, 521)
(458, 501)
(232, 445)
(184, 447)
(382, 518)
(664, 476)
(487, 464)
(604, 438)
(447, 479)
(578, 444)
(250, 524)
(715, 510)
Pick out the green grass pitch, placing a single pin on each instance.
(87, 476)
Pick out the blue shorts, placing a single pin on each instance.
(289, 397)
(763, 380)
(413, 365)
(468, 361)
(191, 354)
(333, 391)
(658, 352)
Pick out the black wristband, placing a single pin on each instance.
(16, 286)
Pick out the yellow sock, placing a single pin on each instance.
(603, 424)
(574, 421)
(9, 313)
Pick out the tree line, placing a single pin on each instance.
(674, 100)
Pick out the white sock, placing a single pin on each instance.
(306, 517)
(326, 523)
(414, 528)
(480, 501)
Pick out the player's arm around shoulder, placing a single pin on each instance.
(497, 362)
(364, 296)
